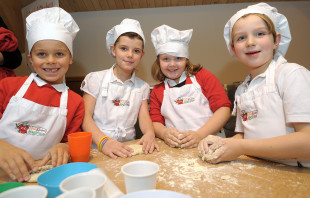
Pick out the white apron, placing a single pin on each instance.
(185, 108)
(117, 109)
(262, 113)
(31, 126)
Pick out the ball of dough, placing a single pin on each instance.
(208, 157)
(137, 149)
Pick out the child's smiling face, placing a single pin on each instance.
(172, 66)
(128, 53)
(253, 43)
(50, 60)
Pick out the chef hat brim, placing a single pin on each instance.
(280, 22)
(51, 24)
(127, 25)
(167, 40)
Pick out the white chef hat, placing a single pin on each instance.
(280, 22)
(127, 25)
(51, 24)
(168, 40)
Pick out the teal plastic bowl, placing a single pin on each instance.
(52, 178)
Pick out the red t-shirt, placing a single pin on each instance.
(211, 89)
(47, 96)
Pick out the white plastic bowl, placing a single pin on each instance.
(25, 192)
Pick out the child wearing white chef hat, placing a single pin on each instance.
(272, 104)
(38, 112)
(190, 102)
(116, 97)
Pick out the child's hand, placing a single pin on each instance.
(149, 143)
(59, 155)
(171, 137)
(189, 139)
(225, 149)
(15, 162)
(210, 140)
(114, 149)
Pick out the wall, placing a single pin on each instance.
(207, 45)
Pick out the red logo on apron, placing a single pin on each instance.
(248, 116)
(184, 100)
(30, 130)
(118, 102)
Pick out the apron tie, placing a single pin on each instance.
(120, 132)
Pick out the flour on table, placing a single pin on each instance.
(225, 177)
(137, 149)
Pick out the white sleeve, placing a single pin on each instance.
(144, 88)
(145, 91)
(293, 82)
(239, 127)
(91, 84)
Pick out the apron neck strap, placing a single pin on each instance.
(193, 79)
(64, 99)
(270, 73)
(105, 83)
(21, 92)
(166, 84)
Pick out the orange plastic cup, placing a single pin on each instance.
(79, 146)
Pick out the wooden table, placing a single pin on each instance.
(183, 171)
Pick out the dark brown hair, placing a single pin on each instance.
(131, 35)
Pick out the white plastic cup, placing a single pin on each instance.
(111, 190)
(25, 192)
(140, 175)
(79, 193)
(96, 182)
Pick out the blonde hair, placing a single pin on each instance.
(158, 75)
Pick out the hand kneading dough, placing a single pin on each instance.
(34, 175)
(137, 149)
(208, 157)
